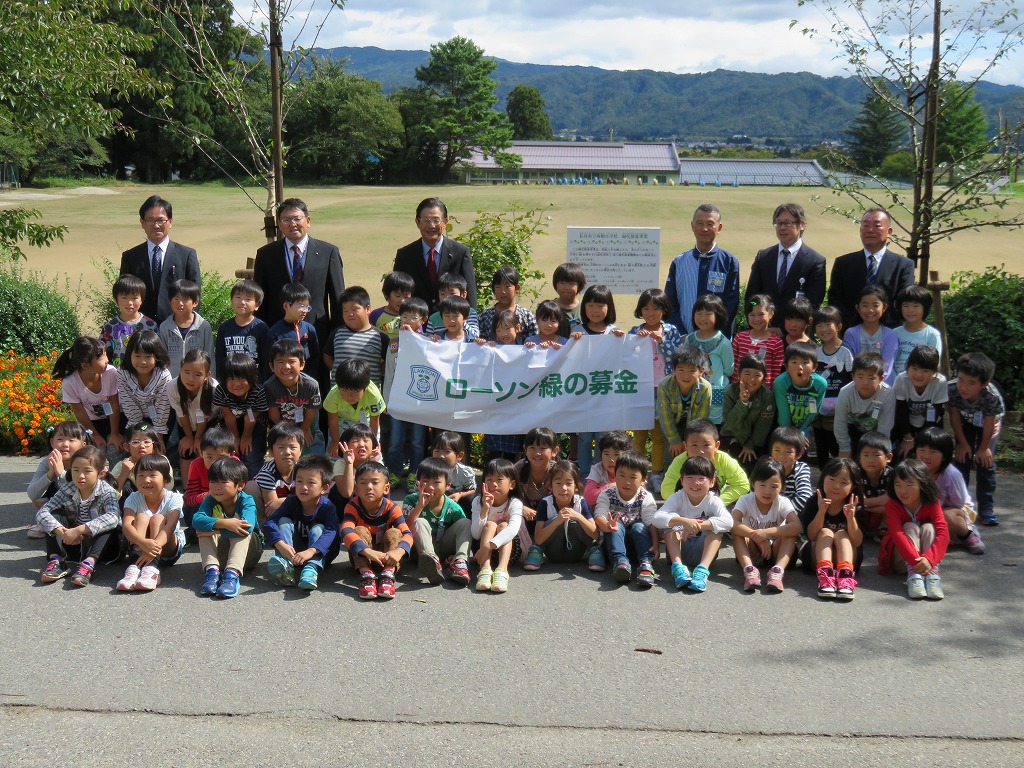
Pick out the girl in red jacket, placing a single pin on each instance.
(917, 529)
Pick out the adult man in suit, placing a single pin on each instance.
(159, 261)
(875, 264)
(434, 254)
(790, 266)
(299, 258)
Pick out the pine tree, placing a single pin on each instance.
(875, 133)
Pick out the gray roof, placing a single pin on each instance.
(730, 171)
(589, 156)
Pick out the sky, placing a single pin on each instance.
(678, 36)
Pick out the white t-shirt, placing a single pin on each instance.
(171, 502)
(193, 403)
(710, 508)
(74, 391)
(936, 393)
(753, 517)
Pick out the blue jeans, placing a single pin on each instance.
(986, 483)
(287, 528)
(587, 452)
(636, 537)
(396, 445)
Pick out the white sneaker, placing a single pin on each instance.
(36, 532)
(131, 578)
(149, 579)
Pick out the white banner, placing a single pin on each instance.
(592, 384)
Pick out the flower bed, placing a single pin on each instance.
(30, 401)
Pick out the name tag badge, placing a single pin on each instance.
(107, 408)
(812, 406)
(874, 413)
(978, 419)
(151, 410)
(298, 414)
(930, 414)
(716, 281)
(249, 414)
(760, 353)
(200, 417)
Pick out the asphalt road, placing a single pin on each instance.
(547, 674)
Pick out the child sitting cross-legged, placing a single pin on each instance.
(765, 527)
(151, 524)
(748, 413)
(440, 529)
(700, 438)
(564, 530)
(624, 513)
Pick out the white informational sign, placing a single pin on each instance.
(592, 384)
(626, 259)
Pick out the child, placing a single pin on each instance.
(129, 292)
(80, 520)
(454, 313)
(694, 520)
(504, 446)
(921, 394)
(397, 287)
(292, 395)
(653, 307)
(413, 313)
(871, 335)
(683, 396)
(917, 530)
(230, 540)
(867, 404)
(874, 452)
(144, 381)
(610, 446)
(975, 412)
(700, 438)
(358, 446)
(564, 530)
(541, 447)
(497, 521)
(624, 513)
(552, 327)
(748, 412)
(569, 282)
(375, 532)
(799, 391)
(89, 386)
(709, 318)
(143, 440)
(357, 339)
(216, 443)
(151, 524)
(786, 446)
(295, 299)
(452, 284)
(440, 529)
(54, 470)
(244, 334)
(796, 321)
(185, 329)
(243, 406)
(765, 527)
(759, 340)
(276, 479)
(833, 527)
(353, 399)
(506, 285)
(451, 448)
(935, 448)
(305, 518)
(191, 396)
(914, 303)
(835, 366)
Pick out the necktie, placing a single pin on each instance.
(158, 266)
(297, 271)
(872, 269)
(432, 266)
(784, 269)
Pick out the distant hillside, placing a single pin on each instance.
(797, 107)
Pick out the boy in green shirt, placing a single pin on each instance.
(439, 526)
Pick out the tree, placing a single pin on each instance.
(527, 113)
(462, 116)
(882, 41)
(962, 131)
(876, 132)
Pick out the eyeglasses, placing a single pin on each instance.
(301, 307)
(156, 222)
(786, 224)
(140, 443)
(294, 220)
(432, 222)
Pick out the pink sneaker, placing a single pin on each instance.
(826, 581)
(751, 578)
(774, 579)
(846, 584)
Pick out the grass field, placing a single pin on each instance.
(369, 223)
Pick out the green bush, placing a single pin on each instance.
(36, 317)
(985, 313)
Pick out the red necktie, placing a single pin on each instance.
(432, 267)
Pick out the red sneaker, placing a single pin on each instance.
(459, 572)
(368, 589)
(386, 585)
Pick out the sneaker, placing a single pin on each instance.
(411, 485)
(845, 584)
(933, 587)
(131, 578)
(595, 560)
(281, 570)
(973, 542)
(645, 574)
(654, 481)
(210, 582)
(396, 480)
(149, 579)
(751, 578)
(386, 585)
(54, 570)
(459, 572)
(681, 575)
(699, 582)
(36, 532)
(308, 578)
(368, 587)
(499, 581)
(623, 573)
(82, 575)
(534, 558)
(915, 587)
(988, 518)
(774, 579)
(483, 579)
(430, 568)
(228, 584)
(827, 584)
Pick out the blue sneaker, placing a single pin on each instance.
(680, 575)
(988, 518)
(308, 578)
(281, 570)
(228, 584)
(595, 560)
(211, 581)
(699, 582)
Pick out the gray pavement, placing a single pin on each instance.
(546, 674)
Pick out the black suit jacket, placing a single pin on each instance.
(323, 275)
(455, 257)
(850, 275)
(179, 263)
(807, 264)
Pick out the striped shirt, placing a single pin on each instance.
(771, 351)
(370, 345)
(389, 515)
(67, 509)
